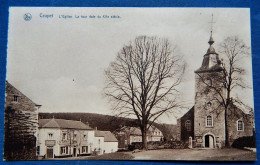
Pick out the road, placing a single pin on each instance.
(196, 154)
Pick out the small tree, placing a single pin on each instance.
(232, 50)
(143, 81)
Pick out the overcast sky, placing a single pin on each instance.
(45, 55)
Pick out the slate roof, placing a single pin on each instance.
(205, 67)
(62, 123)
(108, 136)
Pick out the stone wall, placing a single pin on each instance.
(21, 124)
(235, 114)
(185, 134)
(206, 104)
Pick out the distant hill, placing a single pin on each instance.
(108, 123)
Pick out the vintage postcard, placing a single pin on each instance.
(129, 84)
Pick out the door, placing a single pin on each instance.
(209, 141)
(74, 151)
(49, 152)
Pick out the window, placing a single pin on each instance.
(75, 136)
(209, 121)
(85, 137)
(64, 136)
(84, 149)
(240, 125)
(188, 125)
(50, 136)
(15, 99)
(98, 141)
(64, 150)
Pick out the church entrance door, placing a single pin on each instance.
(209, 141)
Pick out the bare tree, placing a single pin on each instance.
(228, 78)
(143, 81)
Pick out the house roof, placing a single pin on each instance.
(62, 123)
(137, 131)
(191, 109)
(99, 133)
(108, 136)
(18, 92)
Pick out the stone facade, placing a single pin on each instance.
(208, 114)
(186, 126)
(235, 115)
(21, 124)
(207, 107)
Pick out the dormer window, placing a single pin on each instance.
(240, 125)
(209, 121)
(15, 98)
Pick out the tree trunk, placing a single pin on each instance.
(226, 129)
(144, 139)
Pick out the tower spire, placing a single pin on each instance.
(211, 41)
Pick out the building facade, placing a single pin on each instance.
(64, 138)
(185, 125)
(128, 135)
(21, 125)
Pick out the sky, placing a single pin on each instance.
(59, 62)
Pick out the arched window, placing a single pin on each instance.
(209, 121)
(188, 125)
(240, 125)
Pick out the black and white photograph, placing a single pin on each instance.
(86, 83)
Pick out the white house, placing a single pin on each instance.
(62, 138)
(99, 142)
(105, 142)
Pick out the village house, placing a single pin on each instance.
(128, 135)
(106, 142)
(21, 125)
(63, 138)
(70, 138)
(204, 123)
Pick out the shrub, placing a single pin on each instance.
(245, 141)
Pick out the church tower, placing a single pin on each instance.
(209, 120)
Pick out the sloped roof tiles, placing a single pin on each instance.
(62, 123)
(108, 136)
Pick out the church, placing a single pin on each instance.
(203, 126)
